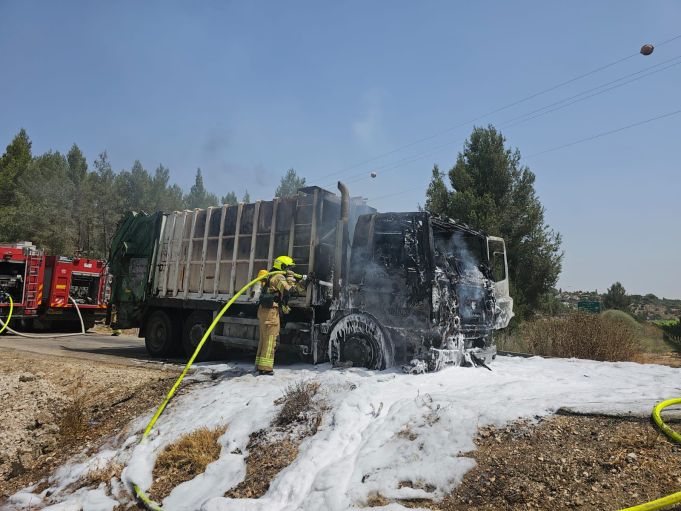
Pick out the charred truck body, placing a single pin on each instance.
(411, 289)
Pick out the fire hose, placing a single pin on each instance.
(9, 316)
(139, 492)
(674, 498)
(5, 324)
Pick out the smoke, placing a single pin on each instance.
(470, 288)
(436, 320)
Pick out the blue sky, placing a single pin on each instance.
(246, 90)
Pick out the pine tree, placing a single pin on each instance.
(163, 197)
(288, 187)
(437, 195)
(230, 199)
(197, 196)
(494, 192)
(42, 219)
(77, 173)
(14, 163)
(107, 206)
(616, 297)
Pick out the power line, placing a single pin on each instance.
(585, 95)
(580, 141)
(388, 195)
(505, 107)
(539, 112)
(599, 135)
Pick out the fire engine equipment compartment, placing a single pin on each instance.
(12, 278)
(22, 268)
(81, 278)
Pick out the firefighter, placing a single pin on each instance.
(273, 303)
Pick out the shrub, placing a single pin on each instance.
(623, 318)
(296, 403)
(583, 335)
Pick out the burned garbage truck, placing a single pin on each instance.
(389, 289)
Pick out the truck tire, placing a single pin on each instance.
(160, 338)
(358, 340)
(195, 326)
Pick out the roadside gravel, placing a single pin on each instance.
(54, 407)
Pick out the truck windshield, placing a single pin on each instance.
(460, 250)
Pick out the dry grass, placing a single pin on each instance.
(265, 460)
(582, 335)
(407, 434)
(564, 462)
(73, 419)
(275, 448)
(296, 403)
(100, 475)
(185, 459)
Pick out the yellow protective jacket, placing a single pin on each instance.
(283, 285)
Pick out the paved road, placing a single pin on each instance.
(123, 350)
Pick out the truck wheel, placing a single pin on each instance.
(358, 340)
(159, 339)
(195, 326)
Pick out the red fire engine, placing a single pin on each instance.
(40, 287)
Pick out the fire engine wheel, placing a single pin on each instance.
(358, 340)
(195, 326)
(160, 338)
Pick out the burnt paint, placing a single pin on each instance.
(413, 273)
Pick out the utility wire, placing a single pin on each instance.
(505, 107)
(605, 133)
(585, 94)
(539, 112)
(570, 144)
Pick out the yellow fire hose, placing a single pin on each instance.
(141, 495)
(9, 316)
(674, 498)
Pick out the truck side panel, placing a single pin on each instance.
(211, 253)
(131, 262)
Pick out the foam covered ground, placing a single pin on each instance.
(383, 428)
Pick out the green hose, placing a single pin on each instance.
(674, 498)
(141, 495)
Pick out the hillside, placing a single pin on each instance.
(645, 307)
(379, 438)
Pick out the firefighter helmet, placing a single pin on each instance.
(283, 262)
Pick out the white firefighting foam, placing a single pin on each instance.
(383, 428)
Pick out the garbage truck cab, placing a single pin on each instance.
(422, 291)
